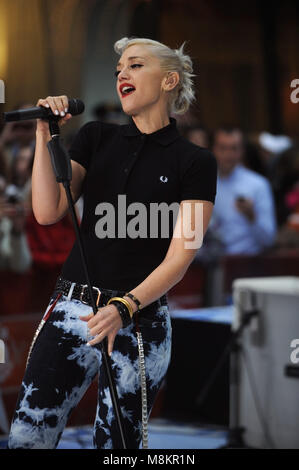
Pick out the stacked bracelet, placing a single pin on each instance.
(125, 302)
(123, 312)
(124, 308)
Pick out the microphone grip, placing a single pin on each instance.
(60, 160)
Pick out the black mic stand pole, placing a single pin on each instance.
(63, 171)
(232, 349)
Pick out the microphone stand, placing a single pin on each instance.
(63, 171)
(232, 349)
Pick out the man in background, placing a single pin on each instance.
(244, 212)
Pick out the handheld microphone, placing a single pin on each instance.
(40, 112)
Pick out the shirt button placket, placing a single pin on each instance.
(135, 154)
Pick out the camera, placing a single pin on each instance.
(12, 194)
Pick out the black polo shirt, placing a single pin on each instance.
(125, 166)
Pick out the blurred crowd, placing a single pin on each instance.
(23, 242)
(257, 204)
(256, 209)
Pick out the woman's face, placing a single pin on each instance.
(141, 70)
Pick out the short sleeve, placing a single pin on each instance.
(83, 144)
(200, 178)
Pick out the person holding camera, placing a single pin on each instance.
(14, 250)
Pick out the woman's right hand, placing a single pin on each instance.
(59, 105)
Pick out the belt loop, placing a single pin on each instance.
(69, 296)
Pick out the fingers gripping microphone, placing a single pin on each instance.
(40, 112)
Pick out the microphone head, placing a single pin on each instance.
(10, 116)
(76, 106)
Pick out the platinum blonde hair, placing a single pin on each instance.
(171, 60)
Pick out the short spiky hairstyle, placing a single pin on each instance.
(172, 60)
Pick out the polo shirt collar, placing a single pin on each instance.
(164, 136)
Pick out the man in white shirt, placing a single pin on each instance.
(244, 213)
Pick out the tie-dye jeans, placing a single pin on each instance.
(61, 367)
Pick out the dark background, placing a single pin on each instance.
(245, 53)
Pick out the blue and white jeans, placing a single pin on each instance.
(61, 368)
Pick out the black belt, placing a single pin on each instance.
(101, 296)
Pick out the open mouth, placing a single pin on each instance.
(126, 90)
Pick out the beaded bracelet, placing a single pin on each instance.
(123, 312)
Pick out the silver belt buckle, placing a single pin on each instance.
(82, 293)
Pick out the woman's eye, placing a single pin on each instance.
(132, 66)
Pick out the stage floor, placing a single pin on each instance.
(163, 434)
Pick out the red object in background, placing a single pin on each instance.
(50, 244)
(189, 292)
(292, 202)
(292, 198)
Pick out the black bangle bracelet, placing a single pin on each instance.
(124, 313)
(137, 302)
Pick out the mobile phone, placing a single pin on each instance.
(240, 199)
(12, 199)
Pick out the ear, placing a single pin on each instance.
(171, 80)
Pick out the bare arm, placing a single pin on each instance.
(49, 202)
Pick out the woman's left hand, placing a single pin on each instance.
(106, 322)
